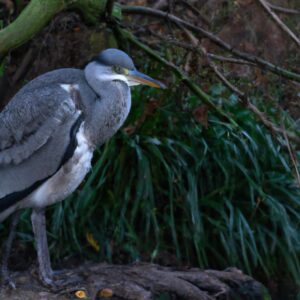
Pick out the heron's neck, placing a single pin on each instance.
(109, 111)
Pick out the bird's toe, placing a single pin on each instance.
(8, 282)
(60, 281)
(6, 279)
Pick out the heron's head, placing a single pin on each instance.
(113, 64)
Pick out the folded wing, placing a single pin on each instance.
(37, 132)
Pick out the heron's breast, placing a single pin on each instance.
(66, 179)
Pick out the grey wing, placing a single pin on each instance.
(35, 132)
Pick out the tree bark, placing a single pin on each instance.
(144, 281)
(38, 13)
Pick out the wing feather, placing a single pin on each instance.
(35, 132)
(27, 125)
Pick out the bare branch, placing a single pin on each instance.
(160, 4)
(216, 40)
(202, 95)
(243, 97)
(196, 11)
(283, 9)
(230, 60)
(179, 73)
(278, 21)
(190, 47)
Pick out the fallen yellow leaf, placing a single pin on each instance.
(106, 293)
(92, 242)
(80, 294)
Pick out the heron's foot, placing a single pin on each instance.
(6, 280)
(59, 281)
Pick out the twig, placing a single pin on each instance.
(243, 97)
(259, 114)
(292, 155)
(230, 60)
(170, 6)
(179, 73)
(196, 11)
(27, 59)
(211, 55)
(283, 9)
(160, 4)
(205, 97)
(251, 58)
(278, 21)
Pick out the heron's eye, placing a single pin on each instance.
(118, 69)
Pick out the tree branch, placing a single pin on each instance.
(31, 20)
(243, 97)
(190, 47)
(202, 95)
(216, 40)
(283, 9)
(278, 21)
(203, 18)
(230, 60)
(37, 14)
(179, 73)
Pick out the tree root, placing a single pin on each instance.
(143, 281)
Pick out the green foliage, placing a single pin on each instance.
(215, 197)
(2, 69)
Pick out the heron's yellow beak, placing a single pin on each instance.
(135, 77)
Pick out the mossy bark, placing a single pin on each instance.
(38, 13)
(90, 9)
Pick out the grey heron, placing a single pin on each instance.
(48, 133)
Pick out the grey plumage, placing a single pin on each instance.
(114, 57)
(35, 135)
(35, 129)
(49, 130)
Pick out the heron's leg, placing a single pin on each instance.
(39, 229)
(47, 276)
(6, 250)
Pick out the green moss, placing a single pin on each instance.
(102, 39)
